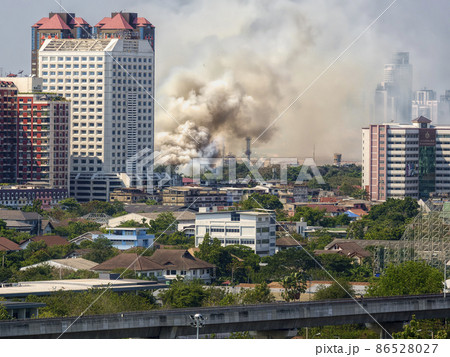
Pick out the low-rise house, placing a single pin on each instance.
(7, 245)
(73, 264)
(287, 242)
(184, 218)
(348, 249)
(50, 241)
(179, 262)
(30, 222)
(47, 226)
(125, 238)
(141, 265)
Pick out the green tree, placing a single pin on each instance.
(339, 289)
(4, 313)
(165, 221)
(312, 216)
(101, 250)
(35, 207)
(70, 205)
(294, 285)
(184, 294)
(259, 295)
(408, 278)
(257, 200)
(211, 251)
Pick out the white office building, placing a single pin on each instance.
(254, 229)
(111, 84)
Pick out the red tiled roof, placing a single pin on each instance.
(40, 22)
(51, 240)
(54, 23)
(78, 21)
(358, 211)
(6, 245)
(118, 22)
(103, 21)
(141, 22)
(328, 199)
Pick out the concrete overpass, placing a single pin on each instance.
(270, 320)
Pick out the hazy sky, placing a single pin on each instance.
(272, 51)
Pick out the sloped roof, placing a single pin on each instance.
(51, 240)
(7, 245)
(178, 259)
(40, 22)
(54, 23)
(287, 241)
(78, 21)
(133, 261)
(421, 119)
(17, 224)
(69, 263)
(358, 211)
(17, 215)
(141, 22)
(352, 248)
(118, 22)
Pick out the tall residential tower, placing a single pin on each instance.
(393, 96)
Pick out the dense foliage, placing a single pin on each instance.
(385, 221)
(67, 303)
(408, 278)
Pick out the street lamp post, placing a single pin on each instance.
(198, 321)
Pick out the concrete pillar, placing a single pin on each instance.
(274, 334)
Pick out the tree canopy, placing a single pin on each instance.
(408, 278)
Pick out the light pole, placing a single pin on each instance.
(198, 321)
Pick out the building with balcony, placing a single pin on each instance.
(34, 145)
(125, 238)
(401, 160)
(255, 229)
(194, 197)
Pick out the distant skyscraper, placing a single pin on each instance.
(393, 96)
(425, 104)
(444, 108)
(58, 26)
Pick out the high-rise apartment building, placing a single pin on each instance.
(8, 134)
(393, 96)
(36, 133)
(402, 160)
(109, 77)
(444, 108)
(58, 26)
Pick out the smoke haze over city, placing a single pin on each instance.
(226, 70)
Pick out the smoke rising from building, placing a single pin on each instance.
(233, 68)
